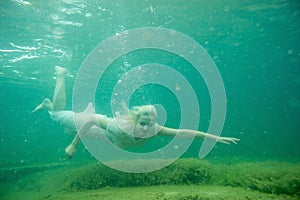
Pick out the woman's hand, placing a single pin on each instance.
(70, 150)
(227, 140)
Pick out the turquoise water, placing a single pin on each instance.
(255, 45)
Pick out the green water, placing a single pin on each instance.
(255, 45)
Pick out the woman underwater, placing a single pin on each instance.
(130, 130)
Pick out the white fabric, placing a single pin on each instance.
(120, 131)
(64, 118)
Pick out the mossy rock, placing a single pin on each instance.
(183, 171)
(268, 177)
(184, 179)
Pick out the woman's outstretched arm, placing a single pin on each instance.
(186, 133)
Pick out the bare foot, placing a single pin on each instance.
(45, 105)
(60, 71)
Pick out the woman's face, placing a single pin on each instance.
(144, 120)
(146, 115)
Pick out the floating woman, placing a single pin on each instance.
(131, 130)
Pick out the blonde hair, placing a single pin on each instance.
(136, 111)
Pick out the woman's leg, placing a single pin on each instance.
(59, 98)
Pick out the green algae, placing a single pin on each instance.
(184, 179)
(267, 177)
(185, 171)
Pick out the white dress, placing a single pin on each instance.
(124, 133)
(121, 131)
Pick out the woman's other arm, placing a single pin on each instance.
(186, 133)
(97, 120)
